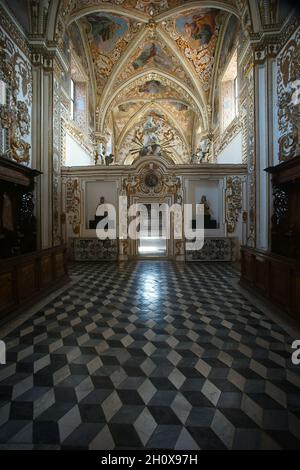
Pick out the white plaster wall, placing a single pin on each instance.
(75, 154)
(232, 153)
(93, 190)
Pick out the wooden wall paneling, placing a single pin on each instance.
(261, 273)
(276, 277)
(25, 278)
(46, 270)
(280, 283)
(7, 290)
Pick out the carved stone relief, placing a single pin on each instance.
(288, 89)
(73, 199)
(248, 140)
(56, 186)
(233, 202)
(152, 181)
(15, 71)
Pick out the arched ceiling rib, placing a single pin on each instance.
(165, 79)
(167, 43)
(129, 8)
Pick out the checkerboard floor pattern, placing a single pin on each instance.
(149, 355)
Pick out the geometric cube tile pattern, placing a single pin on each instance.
(149, 355)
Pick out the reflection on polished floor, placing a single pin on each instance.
(149, 355)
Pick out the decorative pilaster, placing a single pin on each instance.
(56, 162)
(42, 132)
(248, 133)
(264, 56)
(47, 146)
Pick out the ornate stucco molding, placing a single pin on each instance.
(73, 203)
(276, 34)
(288, 98)
(14, 32)
(15, 71)
(151, 180)
(248, 138)
(233, 202)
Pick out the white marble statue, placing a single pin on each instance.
(150, 133)
(202, 152)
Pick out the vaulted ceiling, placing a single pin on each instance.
(162, 58)
(157, 57)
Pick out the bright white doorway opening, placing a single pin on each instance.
(152, 241)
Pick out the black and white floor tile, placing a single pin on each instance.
(149, 355)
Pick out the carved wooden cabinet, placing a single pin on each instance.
(276, 274)
(285, 237)
(17, 220)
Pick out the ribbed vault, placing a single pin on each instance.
(156, 56)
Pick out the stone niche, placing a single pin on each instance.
(212, 189)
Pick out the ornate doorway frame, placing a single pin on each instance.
(133, 244)
(153, 181)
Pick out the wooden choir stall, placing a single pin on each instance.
(276, 274)
(26, 273)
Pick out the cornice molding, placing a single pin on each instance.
(272, 39)
(12, 28)
(117, 171)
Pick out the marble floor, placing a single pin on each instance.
(149, 354)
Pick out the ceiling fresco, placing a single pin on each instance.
(178, 111)
(151, 58)
(196, 35)
(77, 44)
(122, 115)
(153, 54)
(153, 87)
(108, 36)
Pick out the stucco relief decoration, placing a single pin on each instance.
(15, 116)
(171, 143)
(268, 11)
(248, 144)
(196, 34)
(233, 202)
(73, 198)
(288, 88)
(151, 181)
(108, 37)
(150, 7)
(56, 188)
